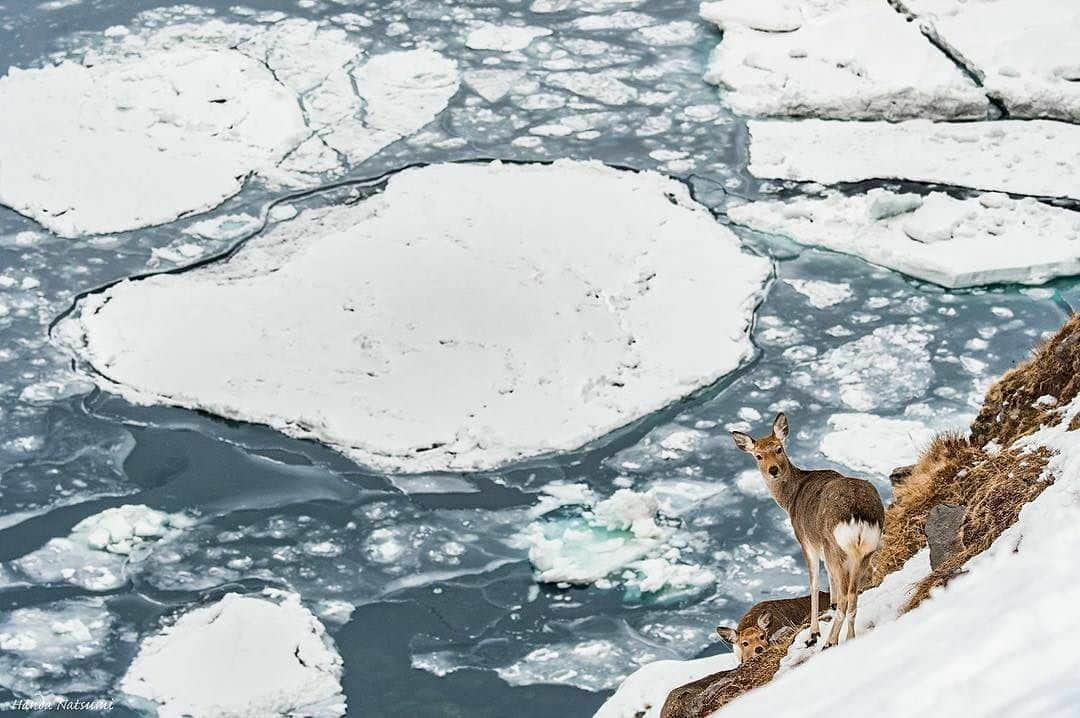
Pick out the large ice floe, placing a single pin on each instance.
(98, 549)
(240, 656)
(1023, 52)
(874, 444)
(813, 58)
(468, 316)
(174, 120)
(617, 537)
(1031, 562)
(1033, 157)
(949, 241)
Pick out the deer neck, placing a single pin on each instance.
(785, 487)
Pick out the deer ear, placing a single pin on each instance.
(743, 441)
(728, 634)
(780, 635)
(763, 620)
(780, 427)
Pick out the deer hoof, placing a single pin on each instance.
(812, 640)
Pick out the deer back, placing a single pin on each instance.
(827, 498)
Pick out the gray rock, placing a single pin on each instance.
(942, 528)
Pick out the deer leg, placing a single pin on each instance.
(853, 595)
(838, 568)
(834, 590)
(812, 563)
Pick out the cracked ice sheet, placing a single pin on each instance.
(489, 391)
(952, 242)
(825, 64)
(240, 656)
(1024, 52)
(1034, 157)
(200, 107)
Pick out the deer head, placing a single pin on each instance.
(749, 641)
(768, 451)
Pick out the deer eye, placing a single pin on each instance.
(779, 449)
(746, 643)
(757, 456)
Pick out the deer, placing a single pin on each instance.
(836, 518)
(752, 637)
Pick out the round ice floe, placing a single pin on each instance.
(153, 138)
(243, 655)
(468, 316)
(874, 444)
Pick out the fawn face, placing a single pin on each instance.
(749, 641)
(768, 451)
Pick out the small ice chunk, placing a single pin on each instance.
(504, 38)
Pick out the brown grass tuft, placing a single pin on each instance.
(1009, 410)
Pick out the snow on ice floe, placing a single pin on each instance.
(51, 650)
(874, 444)
(797, 59)
(96, 552)
(240, 656)
(1031, 562)
(504, 38)
(1024, 53)
(1034, 157)
(643, 693)
(618, 536)
(449, 375)
(199, 107)
(952, 242)
(819, 293)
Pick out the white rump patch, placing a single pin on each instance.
(858, 538)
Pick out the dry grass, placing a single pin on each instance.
(993, 488)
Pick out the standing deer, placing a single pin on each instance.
(835, 518)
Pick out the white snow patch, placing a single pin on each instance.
(1035, 157)
(776, 16)
(1023, 52)
(874, 444)
(644, 691)
(450, 376)
(952, 242)
(240, 656)
(830, 66)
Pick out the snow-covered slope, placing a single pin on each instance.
(801, 58)
(1023, 51)
(643, 693)
(952, 242)
(468, 316)
(1035, 157)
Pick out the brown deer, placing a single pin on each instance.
(835, 518)
(752, 635)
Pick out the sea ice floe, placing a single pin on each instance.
(51, 649)
(825, 63)
(643, 692)
(504, 38)
(1033, 157)
(1022, 52)
(886, 368)
(952, 242)
(96, 552)
(200, 107)
(240, 656)
(449, 375)
(617, 537)
(597, 86)
(819, 293)
(874, 444)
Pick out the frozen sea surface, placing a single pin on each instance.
(421, 581)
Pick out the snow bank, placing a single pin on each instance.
(643, 693)
(951, 242)
(468, 316)
(817, 59)
(1035, 157)
(240, 656)
(619, 536)
(197, 108)
(1032, 563)
(874, 444)
(1023, 52)
(96, 552)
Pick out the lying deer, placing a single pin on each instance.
(752, 635)
(835, 518)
